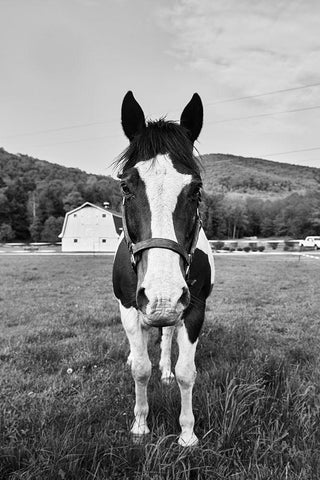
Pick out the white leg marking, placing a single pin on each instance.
(186, 375)
(165, 357)
(140, 366)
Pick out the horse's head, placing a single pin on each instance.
(161, 184)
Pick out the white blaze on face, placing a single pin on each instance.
(163, 281)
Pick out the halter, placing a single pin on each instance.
(156, 242)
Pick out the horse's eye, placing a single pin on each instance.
(196, 193)
(125, 189)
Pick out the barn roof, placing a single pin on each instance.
(117, 218)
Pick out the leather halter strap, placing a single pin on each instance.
(156, 242)
(160, 243)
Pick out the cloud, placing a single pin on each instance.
(246, 46)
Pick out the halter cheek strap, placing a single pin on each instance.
(156, 242)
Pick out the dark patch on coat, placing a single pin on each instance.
(199, 283)
(124, 278)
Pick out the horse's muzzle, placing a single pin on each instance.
(161, 311)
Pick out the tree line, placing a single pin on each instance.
(295, 216)
(36, 213)
(35, 195)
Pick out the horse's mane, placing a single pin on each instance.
(160, 137)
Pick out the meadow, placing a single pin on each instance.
(67, 396)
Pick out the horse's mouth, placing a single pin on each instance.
(161, 318)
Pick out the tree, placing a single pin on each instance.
(50, 200)
(212, 215)
(236, 217)
(35, 230)
(18, 211)
(4, 209)
(254, 211)
(6, 233)
(51, 229)
(72, 200)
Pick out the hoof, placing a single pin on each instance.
(188, 441)
(168, 380)
(139, 429)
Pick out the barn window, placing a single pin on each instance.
(104, 240)
(74, 214)
(75, 240)
(104, 215)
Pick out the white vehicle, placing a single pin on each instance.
(311, 242)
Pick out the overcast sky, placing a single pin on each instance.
(66, 65)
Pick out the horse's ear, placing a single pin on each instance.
(192, 117)
(132, 116)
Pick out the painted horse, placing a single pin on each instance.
(163, 269)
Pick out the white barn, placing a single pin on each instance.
(90, 228)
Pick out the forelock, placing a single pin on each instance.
(160, 137)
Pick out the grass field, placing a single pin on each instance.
(67, 396)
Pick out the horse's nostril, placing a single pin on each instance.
(185, 297)
(142, 299)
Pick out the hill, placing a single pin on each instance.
(243, 197)
(36, 194)
(258, 177)
(34, 171)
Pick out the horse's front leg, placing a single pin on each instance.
(140, 367)
(186, 374)
(165, 356)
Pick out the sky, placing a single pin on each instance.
(66, 65)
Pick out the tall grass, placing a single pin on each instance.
(67, 395)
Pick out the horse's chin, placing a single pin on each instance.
(161, 319)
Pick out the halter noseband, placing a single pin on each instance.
(156, 242)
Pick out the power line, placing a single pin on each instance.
(291, 151)
(236, 99)
(50, 130)
(230, 100)
(264, 114)
(88, 139)
(207, 123)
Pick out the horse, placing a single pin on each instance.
(163, 269)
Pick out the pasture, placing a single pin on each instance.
(67, 396)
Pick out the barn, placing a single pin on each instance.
(90, 228)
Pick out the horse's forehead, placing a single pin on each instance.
(159, 172)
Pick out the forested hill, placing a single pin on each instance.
(242, 197)
(254, 176)
(36, 172)
(35, 195)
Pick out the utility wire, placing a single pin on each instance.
(229, 100)
(50, 130)
(88, 139)
(264, 114)
(291, 151)
(236, 99)
(207, 123)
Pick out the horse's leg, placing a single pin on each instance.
(186, 374)
(140, 366)
(165, 357)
